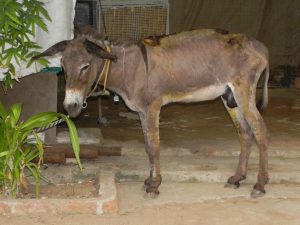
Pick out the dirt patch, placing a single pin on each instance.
(87, 189)
(207, 167)
(62, 182)
(82, 189)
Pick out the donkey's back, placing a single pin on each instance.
(202, 64)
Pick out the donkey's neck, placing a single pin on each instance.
(122, 75)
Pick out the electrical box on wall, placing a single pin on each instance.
(134, 19)
(86, 13)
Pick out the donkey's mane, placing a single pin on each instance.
(164, 41)
(85, 31)
(88, 32)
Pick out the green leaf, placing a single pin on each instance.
(3, 113)
(2, 175)
(6, 28)
(17, 60)
(13, 17)
(31, 155)
(2, 139)
(29, 63)
(35, 172)
(74, 139)
(43, 62)
(32, 54)
(4, 153)
(8, 57)
(39, 146)
(12, 68)
(39, 120)
(15, 112)
(7, 82)
(43, 11)
(16, 176)
(18, 157)
(38, 20)
(13, 25)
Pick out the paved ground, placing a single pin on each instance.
(226, 210)
(199, 151)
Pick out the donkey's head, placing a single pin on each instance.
(81, 61)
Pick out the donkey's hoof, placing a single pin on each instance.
(258, 190)
(151, 184)
(257, 193)
(151, 194)
(234, 182)
(234, 185)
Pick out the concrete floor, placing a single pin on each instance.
(199, 149)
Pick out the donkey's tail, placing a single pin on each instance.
(263, 102)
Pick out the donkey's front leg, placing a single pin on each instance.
(150, 124)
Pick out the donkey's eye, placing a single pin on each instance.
(85, 67)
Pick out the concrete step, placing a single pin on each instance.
(87, 136)
(199, 169)
(219, 147)
(205, 147)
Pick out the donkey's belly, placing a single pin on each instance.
(203, 94)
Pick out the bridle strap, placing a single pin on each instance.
(104, 71)
(107, 69)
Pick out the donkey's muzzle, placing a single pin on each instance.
(73, 102)
(73, 109)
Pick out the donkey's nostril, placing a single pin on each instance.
(73, 105)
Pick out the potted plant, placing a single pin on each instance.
(17, 151)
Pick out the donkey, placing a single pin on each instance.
(191, 66)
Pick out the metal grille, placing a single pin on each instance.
(135, 22)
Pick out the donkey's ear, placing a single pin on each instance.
(76, 31)
(99, 51)
(58, 47)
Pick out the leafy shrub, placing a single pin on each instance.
(18, 22)
(17, 152)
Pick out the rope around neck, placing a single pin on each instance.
(105, 72)
(50, 125)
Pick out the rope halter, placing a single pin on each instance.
(105, 71)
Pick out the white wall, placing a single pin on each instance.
(62, 13)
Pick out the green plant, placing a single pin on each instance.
(18, 21)
(17, 152)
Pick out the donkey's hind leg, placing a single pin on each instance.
(246, 100)
(260, 132)
(246, 139)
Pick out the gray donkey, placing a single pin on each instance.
(191, 66)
